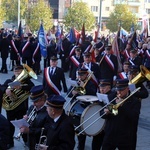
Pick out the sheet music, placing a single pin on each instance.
(103, 98)
(132, 87)
(72, 82)
(19, 123)
(14, 84)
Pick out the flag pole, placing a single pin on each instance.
(18, 12)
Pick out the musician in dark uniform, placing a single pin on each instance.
(60, 134)
(125, 73)
(91, 66)
(74, 63)
(36, 57)
(104, 88)
(64, 54)
(15, 53)
(134, 59)
(90, 88)
(52, 78)
(119, 127)
(4, 132)
(26, 51)
(141, 94)
(108, 65)
(51, 51)
(19, 111)
(36, 116)
(4, 49)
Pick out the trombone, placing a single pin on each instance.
(114, 110)
(80, 89)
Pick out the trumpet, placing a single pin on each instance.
(30, 119)
(42, 137)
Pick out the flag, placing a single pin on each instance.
(20, 31)
(42, 41)
(27, 30)
(145, 26)
(71, 36)
(96, 34)
(133, 41)
(132, 29)
(77, 34)
(83, 34)
(123, 32)
(58, 32)
(116, 52)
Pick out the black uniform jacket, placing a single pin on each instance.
(4, 132)
(57, 77)
(36, 125)
(105, 70)
(61, 134)
(119, 128)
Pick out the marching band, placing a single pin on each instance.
(53, 120)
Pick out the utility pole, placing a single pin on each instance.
(18, 12)
(100, 15)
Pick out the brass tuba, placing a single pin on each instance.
(18, 96)
(142, 76)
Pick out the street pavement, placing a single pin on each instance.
(143, 135)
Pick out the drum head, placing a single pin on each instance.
(87, 98)
(95, 127)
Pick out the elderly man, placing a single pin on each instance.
(60, 133)
(119, 126)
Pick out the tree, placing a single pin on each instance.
(121, 16)
(2, 16)
(78, 14)
(39, 12)
(12, 9)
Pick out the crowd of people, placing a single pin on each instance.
(94, 69)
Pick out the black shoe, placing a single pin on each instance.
(10, 145)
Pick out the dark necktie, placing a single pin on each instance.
(51, 73)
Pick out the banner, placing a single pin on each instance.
(42, 41)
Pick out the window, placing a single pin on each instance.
(94, 8)
(107, 8)
(148, 11)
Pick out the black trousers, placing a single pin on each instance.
(16, 114)
(4, 66)
(108, 146)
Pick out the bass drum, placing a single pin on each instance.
(81, 111)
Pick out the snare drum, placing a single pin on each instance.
(80, 111)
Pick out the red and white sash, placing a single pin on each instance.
(110, 63)
(35, 52)
(122, 75)
(148, 53)
(14, 47)
(88, 48)
(131, 62)
(72, 51)
(75, 61)
(25, 46)
(50, 83)
(126, 54)
(93, 78)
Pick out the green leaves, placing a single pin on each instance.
(78, 14)
(121, 16)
